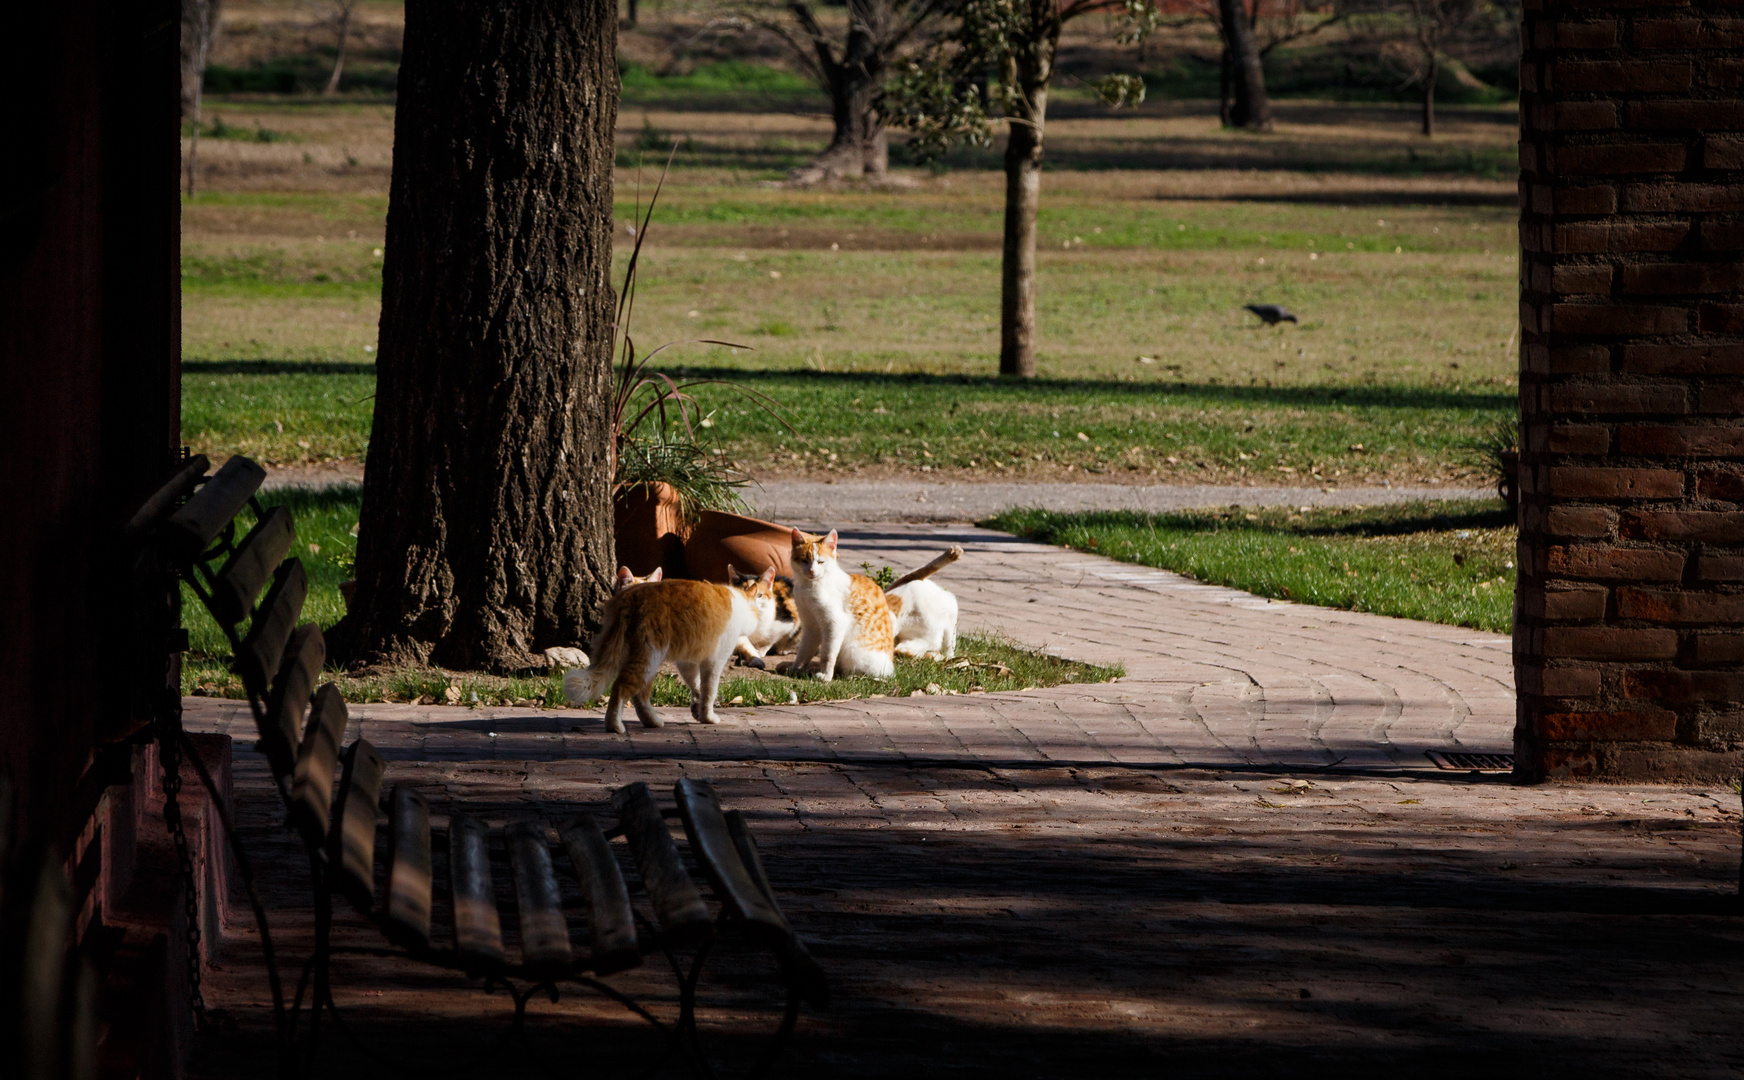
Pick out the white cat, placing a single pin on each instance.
(845, 625)
(926, 620)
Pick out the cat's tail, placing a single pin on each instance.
(610, 648)
(951, 555)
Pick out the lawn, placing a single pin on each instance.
(327, 545)
(1438, 562)
(870, 313)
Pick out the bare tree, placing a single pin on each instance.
(1242, 97)
(486, 530)
(937, 98)
(1432, 23)
(339, 17)
(199, 27)
(850, 67)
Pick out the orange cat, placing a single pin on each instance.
(695, 624)
(845, 623)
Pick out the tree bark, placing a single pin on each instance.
(1429, 97)
(1250, 108)
(1023, 193)
(486, 531)
(345, 9)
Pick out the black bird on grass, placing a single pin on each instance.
(1272, 314)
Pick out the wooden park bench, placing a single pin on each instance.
(335, 802)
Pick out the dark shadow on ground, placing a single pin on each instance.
(277, 367)
(1426, 397)
(1202, 946)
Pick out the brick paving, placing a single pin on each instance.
(1235, 858)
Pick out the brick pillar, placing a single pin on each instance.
(1629, 629)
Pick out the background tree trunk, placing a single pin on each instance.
(199, 27)
(1429, 96)
(1023, 193)
(1250, 109)
(486, 531)
(344, 9)
(859, 146)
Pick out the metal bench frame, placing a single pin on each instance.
(190, 523)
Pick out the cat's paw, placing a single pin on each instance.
(823, 676)
(708, 718)
(615, 725)
(787, 667)
(753, 662)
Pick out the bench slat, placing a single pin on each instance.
(311, 804)
(191, 530)
(478, 930)
(611, 921)
(165, 498)
(352, 855)
(265, 643)
(289, 701)
(409, 889)
(796, 959)
(684, 920)
(712, 845)
(251, 565)
(544, 931)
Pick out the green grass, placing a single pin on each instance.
(279, 412)
(1436, 562)
(327, 546)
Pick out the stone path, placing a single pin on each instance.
(1233, 862)
(1215, 678)
(834, 503)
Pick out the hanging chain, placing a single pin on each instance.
(170, 754)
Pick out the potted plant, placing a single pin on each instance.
(664, 478)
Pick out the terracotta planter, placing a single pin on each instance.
(748, 544)
(649, 529)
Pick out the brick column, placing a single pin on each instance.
(1629, 627)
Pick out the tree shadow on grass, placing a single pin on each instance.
(1398, 397)
(1375, 522)
(277, 367)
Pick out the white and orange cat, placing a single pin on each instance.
(845, 622)
(695, 624)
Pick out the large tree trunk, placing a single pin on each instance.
(1429, 96)
(1250, 108)
(1023, 195)
(860, 145)
(486, 533)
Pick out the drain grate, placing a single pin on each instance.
(1472, 762)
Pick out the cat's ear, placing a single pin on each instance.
(768, 577)
(659, 571)
(732, 575)
(830, 542)
(624, 576)
(798, 537)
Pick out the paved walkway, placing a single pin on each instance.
(911, 500)
(1215, 678)
(1232, 863)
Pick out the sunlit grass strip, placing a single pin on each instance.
(982, 665)
(1445, 562)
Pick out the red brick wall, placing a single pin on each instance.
(1629, 633)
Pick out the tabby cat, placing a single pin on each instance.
(695, 624)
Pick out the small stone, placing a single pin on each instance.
(565, 656)
(451, 695)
